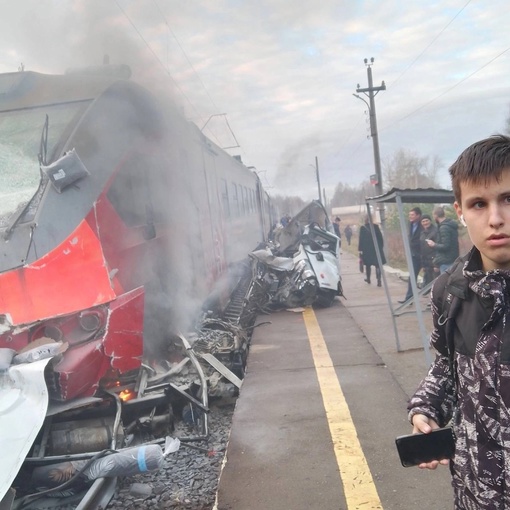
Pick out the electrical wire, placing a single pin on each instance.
(430, 44)
(184, 53)
(168, 72)
(446, 91)
(157, 58)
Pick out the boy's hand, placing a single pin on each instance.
(424, 424)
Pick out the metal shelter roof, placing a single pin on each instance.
(415, 196)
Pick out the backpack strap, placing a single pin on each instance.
(451, 306)
(454, 293)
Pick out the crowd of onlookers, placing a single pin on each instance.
(433, 242)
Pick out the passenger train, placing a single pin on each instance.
(118, 218)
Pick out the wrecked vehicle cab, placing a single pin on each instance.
(302, 267)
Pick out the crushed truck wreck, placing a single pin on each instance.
(302, 266)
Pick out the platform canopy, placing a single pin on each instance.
(415, 196)
(400, 197)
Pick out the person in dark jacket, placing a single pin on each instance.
(468, 384)
(348, 234)
(367, 253)
(415, 246)
(336, 227)
(447, 243)
(428, 233)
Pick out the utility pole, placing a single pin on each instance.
(369, 92)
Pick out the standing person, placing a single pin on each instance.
(336, 227)
(348, 234)
(469, 380)
(366, 249)
(447, 243)
(415, 246)
(428, 233)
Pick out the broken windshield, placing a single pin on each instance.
(20, 138)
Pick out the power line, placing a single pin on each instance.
(157, 58)
(167, 70)
(431, 43)
(198, 77)
(184, 53)
(447, 90)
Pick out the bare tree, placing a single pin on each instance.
(345, 195)
(288, 205)
(406, 169)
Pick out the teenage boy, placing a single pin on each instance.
(471, 371)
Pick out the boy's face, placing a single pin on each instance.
(486, 210)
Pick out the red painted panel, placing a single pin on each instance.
(81, 369)
(71, 277)
(124, 340)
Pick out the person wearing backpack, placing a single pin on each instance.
(468, 384)
(446, 245)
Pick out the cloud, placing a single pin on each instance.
(285, 72)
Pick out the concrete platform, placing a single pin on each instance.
(281, 454)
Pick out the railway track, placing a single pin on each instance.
(198, 442)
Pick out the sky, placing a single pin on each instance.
(277, 77)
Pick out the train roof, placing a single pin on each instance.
(28, 88)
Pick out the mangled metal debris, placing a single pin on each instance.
(70, 440)
(131, 409)
(301, 266)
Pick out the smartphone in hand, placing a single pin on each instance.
(414, 449)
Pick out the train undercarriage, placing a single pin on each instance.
(65, 445)
(73, 448)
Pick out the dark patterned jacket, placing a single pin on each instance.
(478, 388)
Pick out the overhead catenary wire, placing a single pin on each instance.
(156, 56)
(185, 54)
(167, 71)
(159, 61)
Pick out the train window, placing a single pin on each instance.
(129, 192)
(235, 199)
(242, 200)
(246, 200)
(224, 197)
(20, 138)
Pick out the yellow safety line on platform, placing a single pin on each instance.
(359, 488)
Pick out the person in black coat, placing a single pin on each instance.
(428, 252)
(366, 248)
(415, 229)
(336, 227)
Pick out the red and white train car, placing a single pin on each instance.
(117, 219)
